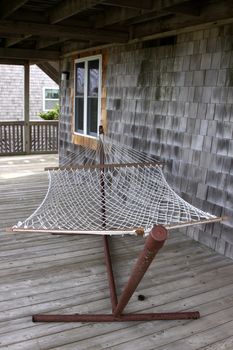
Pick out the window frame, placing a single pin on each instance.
(85, 60)
(51, 99)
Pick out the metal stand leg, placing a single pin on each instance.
(111, 281)
(153, 244)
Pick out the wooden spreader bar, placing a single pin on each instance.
(133, 230)
(106, 166)
(153, 244)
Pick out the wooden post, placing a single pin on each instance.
(26, 107)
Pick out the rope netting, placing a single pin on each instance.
(110, 189)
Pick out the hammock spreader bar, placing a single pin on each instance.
(133, 231)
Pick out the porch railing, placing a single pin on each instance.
(43, 137)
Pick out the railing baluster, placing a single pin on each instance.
(43, 137)
(22, 146)
(11, 149)
(5, 138)
(13, 138)
(0, 139)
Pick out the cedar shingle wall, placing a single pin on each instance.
(176, 101)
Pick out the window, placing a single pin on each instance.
(87, 95)
(51, 98)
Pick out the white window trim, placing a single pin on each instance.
(52, 99)
(86, 60)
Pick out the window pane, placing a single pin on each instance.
(92, 115)
(93, 77)
(79, 102)
(52, 93)
(80, 68)
(50, 104)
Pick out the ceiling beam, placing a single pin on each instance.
(211, 14)
(25, 15)
(10, 6)
(149, 17)
(189, 8)
(135, 4)
(36, 17)
(13, 41)
(12, 61)
(115, 15)
(73, 46)
(134, 15)
(58, 31)
(69, 8)
(44, 43)
(25, 54)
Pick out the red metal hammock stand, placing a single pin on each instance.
(153, 244)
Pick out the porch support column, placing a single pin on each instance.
(27, 107)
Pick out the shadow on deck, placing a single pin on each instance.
(66, 274)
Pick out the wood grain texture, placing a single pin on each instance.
(66, 274)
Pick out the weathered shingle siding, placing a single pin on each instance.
(11, 91)
(176, 101)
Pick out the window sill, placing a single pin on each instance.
(86, 136)
(84, 140)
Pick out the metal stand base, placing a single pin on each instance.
(121, 318)
(153, 244)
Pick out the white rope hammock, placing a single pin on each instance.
(111, 189)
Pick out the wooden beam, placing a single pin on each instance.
(149, 16)
(15, 62)
(59, 31)
(135, 15)
(115, 15)
(210, 14)
(24, 15)
(185, 29)
(50, 71)
(69, 8)
(43, 43)
(135, 4)
(74, 46)
(188, 8)
(20, 54)
(68, 51)
(9, 6)
(13, 41)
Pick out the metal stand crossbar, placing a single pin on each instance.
(153, 244)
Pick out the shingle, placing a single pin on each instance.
(211, 77)
(198, 78)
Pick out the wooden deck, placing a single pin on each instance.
(62, 274)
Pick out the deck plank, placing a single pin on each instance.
(66, 274)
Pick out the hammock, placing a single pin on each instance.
(110, 189)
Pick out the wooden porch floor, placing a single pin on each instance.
(63, 274)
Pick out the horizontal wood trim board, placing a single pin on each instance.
(29, 54)
(72, 32)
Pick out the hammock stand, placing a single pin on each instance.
(154, 242)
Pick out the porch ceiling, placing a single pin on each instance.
(39, 30)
